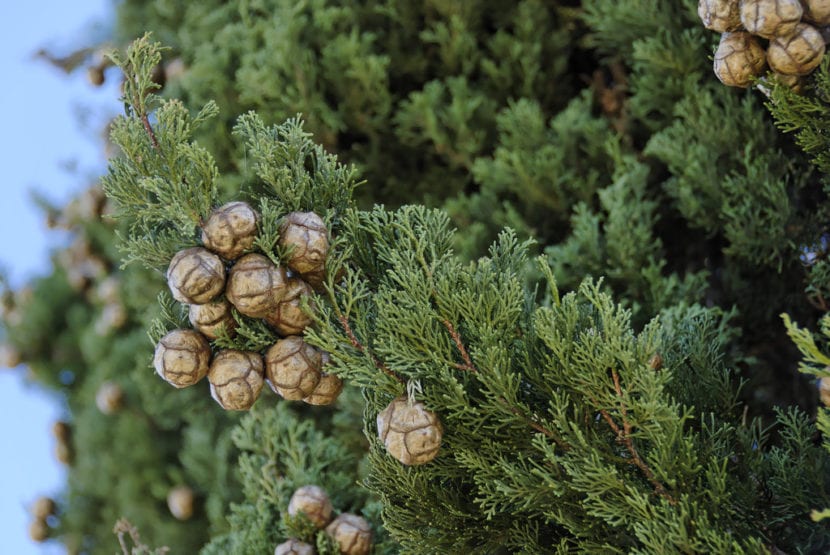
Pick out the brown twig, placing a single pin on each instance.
(149, 129)
(624, 437)
(536, 426)
(468, 362)
(138, 105)
(469, 366)
(359, 346)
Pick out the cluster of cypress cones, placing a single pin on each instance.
(217, 277)
(351, 532)
(782, 35)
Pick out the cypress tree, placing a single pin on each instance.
(610, 370)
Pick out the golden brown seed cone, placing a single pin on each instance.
(195, 276)
(798, 53)
(63, 453)
(293, 368)
(824, 391)
(327, 390)
(43, 507)
(210, 317)
(236, 379)
(182, 357)
(180, 502)
(305, 235)
(231, 229)
(411, 433)
(294, 547)
(816, 11)
(38, 531)
(61, 430)
(719, 15)
(256, 285)
(289, 318)
(770, 18)
(313, 502)
(352, 533)
(739, 59)
(110, 397)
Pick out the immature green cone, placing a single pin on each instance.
(236, 379)
(770, 18)
(195, 276)
(256, 285)
(739, 59)
(212, 316)
(411, 433)
(294, 547)
(352, 533)
(182, 357)
(230, 230)
(293, 368)
(313, 502)
(798, 53)
(305, 234)
(719, 15)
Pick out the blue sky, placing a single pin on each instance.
(50, 143)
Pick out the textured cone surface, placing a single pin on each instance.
(798, 53)
(315, 279)
(411, 433)
(770, 18)
(738, 59)
(720, 15)
(352, 533)
(305, 234)
(294, 547)
(180, 502)
(313, 502)
(817, 11)
(109, 397)
(327, 391)
(288, 318)
(256, 285)
(43, 508)
(236, 379)
(195, 276)
(209, 318)
(230, 230)
(293, 367)
(182, 357)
